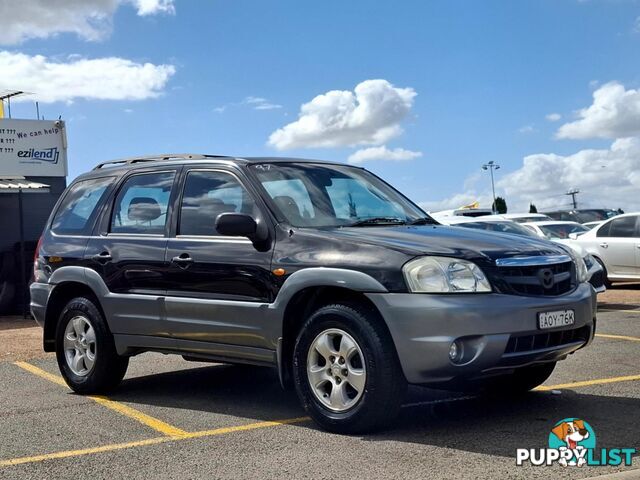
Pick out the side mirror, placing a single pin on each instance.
(573, 236)
(236, 225)
(242, 225)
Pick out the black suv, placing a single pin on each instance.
(319, 269)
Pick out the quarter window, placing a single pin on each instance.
(77, 210)
(142, 203)
(206, 195)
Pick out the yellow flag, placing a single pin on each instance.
(475, 204)
(1, 108)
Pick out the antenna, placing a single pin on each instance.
(8, 95)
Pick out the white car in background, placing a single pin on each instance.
(557, 229)
(496, 224)
(522, 217)
(615, 244)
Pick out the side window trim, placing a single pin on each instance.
(105, 221)
(175, 224)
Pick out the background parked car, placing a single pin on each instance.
(591, 225)
(584, 215)
(554, 230)
(616, 245)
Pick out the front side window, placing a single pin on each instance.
(319, 195)
(141, 204)
(624, 227)
(206, 195)
(78, 208)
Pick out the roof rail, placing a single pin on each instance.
(154, 158)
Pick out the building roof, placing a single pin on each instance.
(12, 184)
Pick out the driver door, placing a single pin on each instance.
(216, 283)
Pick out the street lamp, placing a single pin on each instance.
(491, 166)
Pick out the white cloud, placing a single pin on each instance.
(553, 117)
(88, 19)
(527, 129)
(614, 113)
(153, 7)
(382, 153)
(606, 177)
(259, 103)
(636, 25)
(109, 78)
(370, 115)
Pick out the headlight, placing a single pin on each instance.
(581, 267)
(444, 275)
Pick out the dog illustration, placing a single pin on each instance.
(571, 433)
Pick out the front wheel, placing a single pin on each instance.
(346, 371)
(85, 350)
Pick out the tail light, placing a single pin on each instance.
(36, 255)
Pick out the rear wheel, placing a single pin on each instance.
(85, 350)
(346, 372)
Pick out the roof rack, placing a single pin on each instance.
(155, 158)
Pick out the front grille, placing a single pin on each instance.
(528, 279)
(527, 343)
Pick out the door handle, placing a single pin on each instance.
(604, 245)
(183, 260)
(103, 257)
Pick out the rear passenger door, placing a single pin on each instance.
(617, 245)
(217, 283)
(128, 252)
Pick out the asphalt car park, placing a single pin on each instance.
(175, 419)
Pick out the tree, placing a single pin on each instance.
(532, 208)
(500, 206)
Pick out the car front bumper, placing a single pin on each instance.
(498, 332)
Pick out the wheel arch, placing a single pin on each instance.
(300, 306)
(68, 283)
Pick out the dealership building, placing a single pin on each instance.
(33, 170)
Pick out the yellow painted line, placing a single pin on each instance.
(121, 408)
(587, 383)
(618, 337)
(149, 441)
(614, 311)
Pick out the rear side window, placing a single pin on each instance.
(141, 204)
(77, 210)
(206, 195)
(624, 227)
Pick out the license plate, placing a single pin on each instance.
(557, 318)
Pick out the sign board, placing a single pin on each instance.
(33, 148)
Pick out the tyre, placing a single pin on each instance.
(346, 372)
(85, 350)
(607, 282)
(521, 380)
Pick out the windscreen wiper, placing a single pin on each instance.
(424, 221)
(378, 221)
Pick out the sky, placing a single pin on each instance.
(422, 93)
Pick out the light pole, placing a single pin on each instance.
(491, 166)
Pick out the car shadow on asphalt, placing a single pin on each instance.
(498, 426)
(487, 425)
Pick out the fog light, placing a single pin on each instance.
(456, 351)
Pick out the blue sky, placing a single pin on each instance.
(485, 75)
